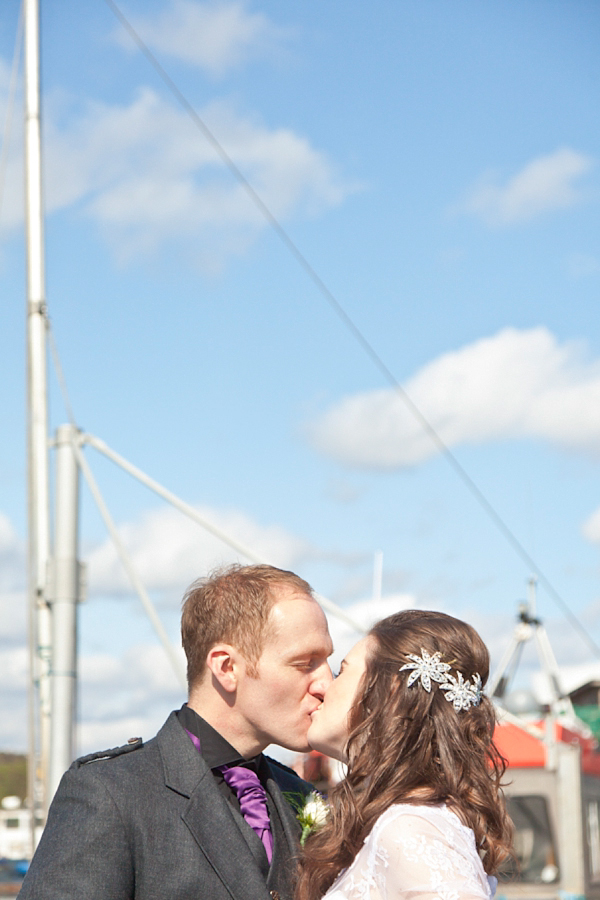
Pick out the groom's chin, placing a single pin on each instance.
(297, 746)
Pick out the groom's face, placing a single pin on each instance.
(293, 672)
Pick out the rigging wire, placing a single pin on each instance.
(60, 374)
(127, 563)
(12, 90)
(368, 348)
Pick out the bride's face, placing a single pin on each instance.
(328, 731)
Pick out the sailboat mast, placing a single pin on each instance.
(37, 412)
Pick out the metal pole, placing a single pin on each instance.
(65, 570)
(532, 596)
(37, 417)
(498, 683)
(560, 703)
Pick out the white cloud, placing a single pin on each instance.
(12, 556)
(169, 551)
(591, 528)
(126, 695)
(13, 698)
(582, 265)
(13, 617)
(515, 384)
(544, 184)
(11, 190)
(147, 177)
(216, 36)
(14, 655)
(13, 600)
(14, 668)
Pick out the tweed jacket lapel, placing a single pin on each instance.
(212, 824)
(208, 815)
(291, 826)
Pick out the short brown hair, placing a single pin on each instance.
(231, 605)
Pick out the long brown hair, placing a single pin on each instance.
(410, 746)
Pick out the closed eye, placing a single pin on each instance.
(307, 664)
(340, 670)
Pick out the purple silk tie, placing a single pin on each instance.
(251, 795)
(253, 802)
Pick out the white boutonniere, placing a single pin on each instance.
(311, 811)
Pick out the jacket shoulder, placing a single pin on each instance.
(132, 744)
(287, 779)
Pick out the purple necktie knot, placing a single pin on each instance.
(252, 798)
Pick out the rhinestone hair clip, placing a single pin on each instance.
(427, 668)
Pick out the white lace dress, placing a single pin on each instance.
(416, 853)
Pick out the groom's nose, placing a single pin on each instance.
(321, 680)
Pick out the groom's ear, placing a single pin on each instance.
(222, 663)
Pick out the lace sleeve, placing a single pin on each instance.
(429, 856)
(416, 853)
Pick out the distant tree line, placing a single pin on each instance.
(13, 775)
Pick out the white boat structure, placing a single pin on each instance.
(552, 782)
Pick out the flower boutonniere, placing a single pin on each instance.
(311, 811)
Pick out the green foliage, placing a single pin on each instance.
(13, 775)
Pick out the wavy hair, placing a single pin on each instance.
(409, 746)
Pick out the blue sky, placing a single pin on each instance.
(437, 164)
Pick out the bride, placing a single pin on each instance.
(420, 813)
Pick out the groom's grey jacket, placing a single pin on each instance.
(151, 824)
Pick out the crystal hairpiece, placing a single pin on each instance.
(427, 668)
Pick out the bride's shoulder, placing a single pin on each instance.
(412, 842)
(417, 818)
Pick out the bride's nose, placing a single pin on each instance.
(321, 681)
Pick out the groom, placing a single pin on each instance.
(198, 813)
